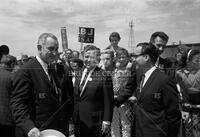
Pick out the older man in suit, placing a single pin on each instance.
(157, 111)
(42, 95)
(93, 98)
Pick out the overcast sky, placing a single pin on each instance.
(22, 21)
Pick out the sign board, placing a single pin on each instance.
(64, 38)
(86, 35)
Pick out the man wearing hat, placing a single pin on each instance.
(42, 98)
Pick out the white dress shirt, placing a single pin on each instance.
(44, 66)
(148, 74)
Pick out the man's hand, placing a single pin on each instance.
(105, 128)
(34, 132)
(185, 116)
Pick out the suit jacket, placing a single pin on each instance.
(6, 117)
(34, 100)
(129, 89)
(95, 104)
(157, 109)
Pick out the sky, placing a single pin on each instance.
(22, 21)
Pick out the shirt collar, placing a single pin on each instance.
(157, 62)
(150, 71)
(42, 63)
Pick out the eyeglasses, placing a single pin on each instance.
(135, 56)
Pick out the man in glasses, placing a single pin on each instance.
(159, 40)
(157, 110)
(39, 99)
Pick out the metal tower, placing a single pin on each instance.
(131, 40)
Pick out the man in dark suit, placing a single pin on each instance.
(7, 127)
(159, 40)
(93, 98)
(157, 111)
(42, 96)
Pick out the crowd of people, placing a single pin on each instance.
(102, 93)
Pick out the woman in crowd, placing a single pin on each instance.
(189, 80)
(123, 115)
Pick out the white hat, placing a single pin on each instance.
(51, 133)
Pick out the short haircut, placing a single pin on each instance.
(108, 51)
(43, 38)
(78, 61)
(192, 53)
(160, 34)
(115, 34)
(149, 49)
(90, 47)
(8, 60)
(4, 50)
(122, 51)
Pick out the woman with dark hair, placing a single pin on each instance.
(123, 116)
(114, 39)
(188, 79)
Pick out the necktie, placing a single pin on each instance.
(84, 80)
(142, 82)
(52, 80)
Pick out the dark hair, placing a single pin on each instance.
(149, 49)
(192, 53)
(122, 51)
(115, 34)
(108, 51)
(160, 34)
(78, 61)
(4, 50)
(90, 47)
(183, 59)
(8, 60)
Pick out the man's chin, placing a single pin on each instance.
(90, 67)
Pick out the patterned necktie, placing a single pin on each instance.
(84, 80)
(52, 80)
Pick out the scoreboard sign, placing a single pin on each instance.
(86, 35)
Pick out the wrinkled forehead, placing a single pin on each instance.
(50, 42)
(105, 55)
(91, 53)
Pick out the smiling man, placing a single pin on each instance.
(93, 98)
(39, 92)
(157, 110)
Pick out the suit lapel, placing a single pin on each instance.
(77, 81)
(45, 78)
(148, 83)
(89, 80)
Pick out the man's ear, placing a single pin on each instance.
(147, 58)
(39, 47)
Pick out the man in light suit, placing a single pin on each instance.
(93, 98)
(157, 111)
(42, 98)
